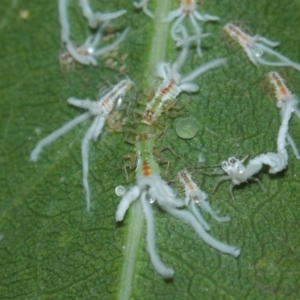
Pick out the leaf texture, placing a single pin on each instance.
(51, 248)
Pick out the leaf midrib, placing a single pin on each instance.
(135, 224)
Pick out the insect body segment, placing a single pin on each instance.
(146, 164)
(287, 102)
(236, 33)
(163, 100)
(282, 93)
(191, 189)
(188, 6)
(108, 102)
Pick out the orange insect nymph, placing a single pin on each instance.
(188, 8)
(282, 93)
(193, 196)
(98, 110)
(256, 46)
(236, 33)
(86, 54)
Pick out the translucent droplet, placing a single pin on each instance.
(120, 190)
(151, 200)
(118, 103)
(186, 128)
(258, 52)
(90, 50)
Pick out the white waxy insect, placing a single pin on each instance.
(98, 110)
(256, 46)
(151, 188)
(86, 53)
(194, 196)
(188, 8)
(95, 18)
(120, 190)
(154, 189)
(284, 95)
(173, 83)
(238, 173)
(144, 5)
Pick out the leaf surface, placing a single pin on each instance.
(51, 248)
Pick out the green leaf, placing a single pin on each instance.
(51, 248)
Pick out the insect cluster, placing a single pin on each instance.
(149, 187)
